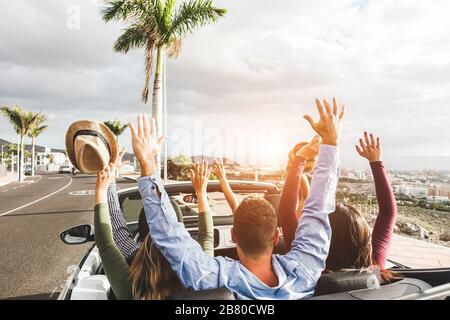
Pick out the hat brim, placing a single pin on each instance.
(96, 126)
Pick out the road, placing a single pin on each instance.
(34, 261)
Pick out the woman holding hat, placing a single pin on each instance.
(296, 187)
(92, 148)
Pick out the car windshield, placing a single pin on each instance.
(132, 206)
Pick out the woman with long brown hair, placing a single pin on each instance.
(353, 245)
(150, 276)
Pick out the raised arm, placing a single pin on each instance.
(195, 269)
(199, 179)
(122, 236)
(383, 230)
(115, 266)
(287, 211)
(220, 172)
(304, 193)
(312, 238)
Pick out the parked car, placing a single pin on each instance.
(88, 281)
(65, 169)
(27, 170)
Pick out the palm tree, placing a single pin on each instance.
(22, 122)
(155, 26)
(37, 128)
(116, 127)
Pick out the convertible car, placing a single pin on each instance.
(88, 281)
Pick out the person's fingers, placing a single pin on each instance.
(342, 112)
(316, 139)
(146, 125)
(320, 107)
(140, 125)
(366, 139)
(310, 120)
(133, 130)
(327, 106)
(372, 140)
(153, 127)
(378, 142)
(335, 107)
(363, 146)
(359, 150)
(197, 167)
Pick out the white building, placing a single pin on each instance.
(50, 161)
(413, 191)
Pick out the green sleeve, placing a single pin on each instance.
(115, 266)
(206, 232)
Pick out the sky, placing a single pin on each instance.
(240, 87)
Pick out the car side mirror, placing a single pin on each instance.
(78, 235)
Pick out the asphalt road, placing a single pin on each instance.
(33, 260)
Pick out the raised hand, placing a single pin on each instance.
(370, 148)
(119, 163)
(329, 126)
(146, 145)
(104, 179)
(219, 170)
(200, 177)
(310, 151)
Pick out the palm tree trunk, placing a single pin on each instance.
(157, 99)
(33, 156)
(21, 160)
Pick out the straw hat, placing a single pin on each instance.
(91, 146)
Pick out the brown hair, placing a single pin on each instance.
(255, 224)
(351, 244)
(151, 276)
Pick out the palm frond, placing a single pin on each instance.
(123, 10)
(174, 47)
(16, 116)
(194, 14)
(37, 131)
(134, 36)
(169, 10)
(36, 126)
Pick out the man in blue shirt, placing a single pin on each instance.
(259, 274)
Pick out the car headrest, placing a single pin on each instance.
(274, 200)
(213, 294)
(343, 281)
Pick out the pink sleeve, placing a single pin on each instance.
(387, 216)
(287, 211)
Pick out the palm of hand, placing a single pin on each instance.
(309, 151)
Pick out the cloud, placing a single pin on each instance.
(260, 67)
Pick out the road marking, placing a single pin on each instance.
(38, 200)
(82, 193)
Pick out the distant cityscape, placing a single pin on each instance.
(433, 185)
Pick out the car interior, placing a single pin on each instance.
(423, 284)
